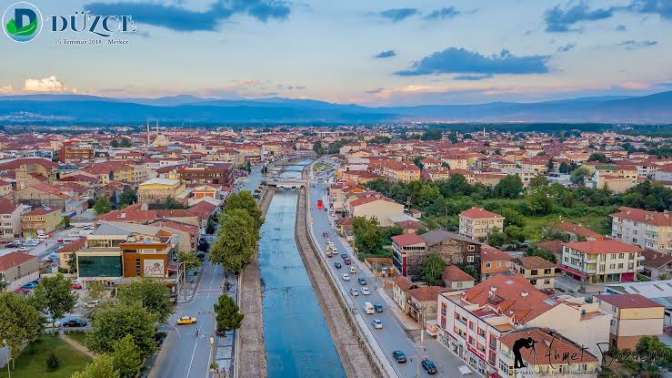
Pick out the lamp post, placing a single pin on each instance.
(212, 354)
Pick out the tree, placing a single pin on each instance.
(418, 162)
(236, 241)
(600, 157)
(96, 290)
(318, 148)
(65, 222)
(127, 197)
(432, 269)
(53, 295)
(578, 176)
(126, 357)
(243, 200)
(189, 259)
(509, 187)
(52, 362)
(496, 239)
(538, 181)
(153, 295)
(20, 323)
(227, 314)
(564, 168)
(546, 255)
(369, 238)
(102, 206)
(101, 367)
(433, 134)
(112, 322)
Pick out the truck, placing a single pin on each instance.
(368, 308)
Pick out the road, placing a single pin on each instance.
(183, 353)
(393, 336)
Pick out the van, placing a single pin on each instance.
(368, 308)
(353, 270)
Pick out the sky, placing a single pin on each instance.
(369, 52)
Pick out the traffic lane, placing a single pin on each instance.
(444, 367)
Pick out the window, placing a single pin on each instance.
(621, 255)
(470, 259)
(487, 265)
(612, 266)
(620, 266)
(534, 272)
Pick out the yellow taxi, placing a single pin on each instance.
(186, 320)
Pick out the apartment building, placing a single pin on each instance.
(10, 219)
(601, 261)
(648, 229)
(159, 189)
(538, 271)
(478, 223)
(376, 206)
(18, 268)
(40, 220)
(493, 261)
(634, 316)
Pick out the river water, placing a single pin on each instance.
(297, 340)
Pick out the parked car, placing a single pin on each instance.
(354, 292)
(75, 323)
(30, 285)
(337, 265)
(76, 286)
(377, 324)
(378, 308)
(429, 366)
(361, 281)
(344, 256)
(346, 277)
(347, 261)
(186, 320)
(365, 291)
(399, 356)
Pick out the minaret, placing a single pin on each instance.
(147, 123)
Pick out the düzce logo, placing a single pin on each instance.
(22, 21)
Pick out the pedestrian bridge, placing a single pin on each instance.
(285, 184)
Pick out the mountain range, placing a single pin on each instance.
(184, 109)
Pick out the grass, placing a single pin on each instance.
(32, 362)
(80, 337)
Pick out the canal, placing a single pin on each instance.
(297, 340)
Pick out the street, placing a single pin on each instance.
(392, 336)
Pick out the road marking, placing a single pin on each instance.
(193, 353)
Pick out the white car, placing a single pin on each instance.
(346, 277)
(377, 324)
(354, 292)
(365, 291)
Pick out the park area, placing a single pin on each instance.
(33, 360)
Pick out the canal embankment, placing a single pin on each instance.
(250, 352)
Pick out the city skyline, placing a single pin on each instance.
(392, 53)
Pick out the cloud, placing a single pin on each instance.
(567, 47)
(375, 91)
(621, 28)
(634, 45)
(663, 8)
(6, 89)
(385, 54)
(443, 14)
(472, 77)
(459, 60)
(560, 20)
(399, 14)
(47, 84)
(181, 19)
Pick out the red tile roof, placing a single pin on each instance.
(603, 246)
(489, 253)
(13, 259)
(452, 273)
(550, 348)
(6, 206)
(629, 301)
(642, 216)
(427, 293)
(578, 230)
(477, 212)
(407, 239)
(73, 246)
(534, 262)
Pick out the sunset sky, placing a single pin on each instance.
(370, 52)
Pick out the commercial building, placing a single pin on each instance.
(601, 261)
(41, 220)
(158, 190)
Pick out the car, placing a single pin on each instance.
(361, 281)
(337, 265)
(344, 256)
(186, 320)
(346, 277)
(347, 261)
(399, 356)
(378, 308)
(365, 291)
(76, 286)
(429, 366)
(75, 323)
(354, 292)
(30, 285)
(377, 324)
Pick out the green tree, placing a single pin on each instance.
(540, 203)
(52, 362)
(20, 323)
(369, 238)
(101, 367)
(599, 157)
(227, 314)
(538, 182)
(126, 357)
(189, 259)
(153, 295)
(245, 201)
(236, 241)
(318, 148)
(96, 289)
(578, 176)
(127, 197)
(497, 239)
(433, 134)
(432, 269)
(532, 251)
(102, 206)
(53, 295)
(418, 162)
(112, 322)
(509, 187)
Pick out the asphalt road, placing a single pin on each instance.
(392, 337)
(185, 354)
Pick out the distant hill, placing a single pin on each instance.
(50, 108)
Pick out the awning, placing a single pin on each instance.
(572, 271)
